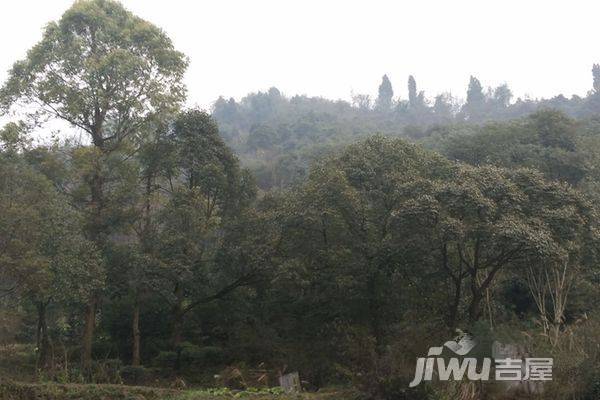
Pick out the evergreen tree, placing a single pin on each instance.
(412, 91)
(474, 107)
(475, 94)
(384, 100)
(596, 74)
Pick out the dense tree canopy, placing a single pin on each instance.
(101, 69)
(174, 246)
(112, 75)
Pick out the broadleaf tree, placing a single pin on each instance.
(108, 73)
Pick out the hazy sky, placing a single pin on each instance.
(331, 48)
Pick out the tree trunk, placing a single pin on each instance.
(456, 279)
(44, 343)
(88, 335)
(177, 334)
(375, 306)
(475, 307)
(478, 291)
(97, 234)
(453, 314)
(135, 359)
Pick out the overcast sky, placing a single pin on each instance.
(332, 48)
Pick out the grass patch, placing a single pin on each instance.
(50, 391)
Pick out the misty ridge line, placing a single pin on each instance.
(385, 92)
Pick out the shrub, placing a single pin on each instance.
(134, 375)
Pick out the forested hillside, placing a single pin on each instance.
(207, 253)
(278, 136)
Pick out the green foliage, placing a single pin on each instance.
(275, 392)
(101, 69)
(545, 141)
(386, 95)
(266, 128)
(44, 251)
(22, 391)
(356, 254)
